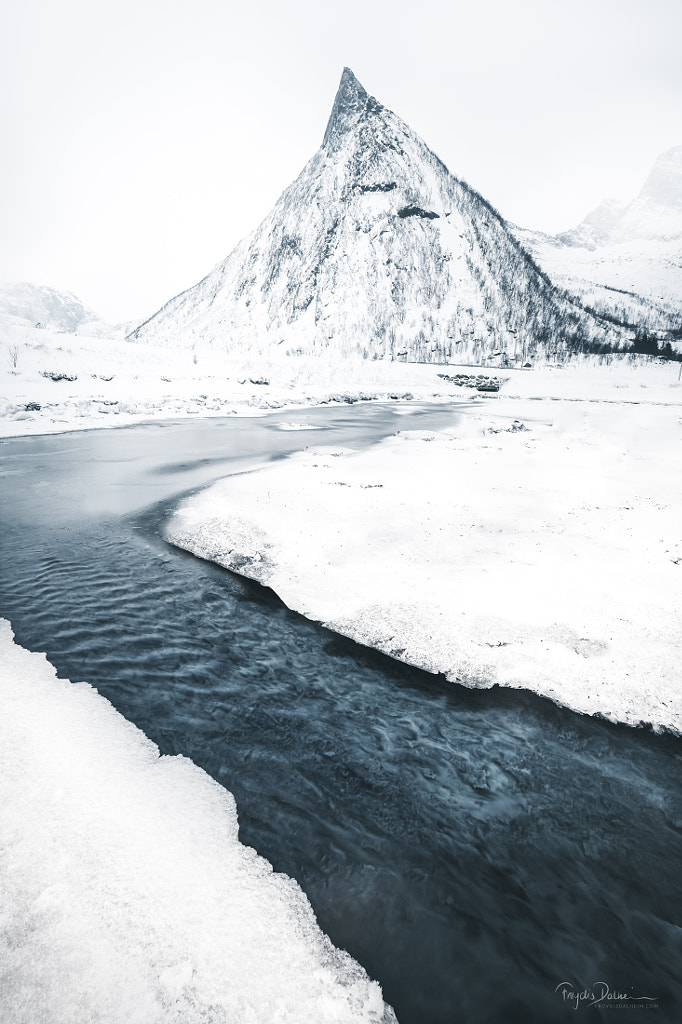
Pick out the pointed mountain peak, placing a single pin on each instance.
(350, 87)
(377, 250)
(350, 103)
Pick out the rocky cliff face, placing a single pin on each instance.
(377, 249)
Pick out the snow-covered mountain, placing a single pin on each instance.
(624, 258)
(656, 212)
(39, 306)
(377, 249)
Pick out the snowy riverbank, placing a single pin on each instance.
(127, 895)
(535, 546)
(51, 382)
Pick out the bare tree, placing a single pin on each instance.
(13, 356)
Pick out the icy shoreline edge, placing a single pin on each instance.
(358, 637)
(128, 895)
(534, 554)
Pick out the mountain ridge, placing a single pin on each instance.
(377, 249)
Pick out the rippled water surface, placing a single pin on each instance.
(472, 849)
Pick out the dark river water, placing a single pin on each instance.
(472, 849)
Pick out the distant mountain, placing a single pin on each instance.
(597, 228)
(40, 306)
(624, 258)
(377, 249)
(655, 213)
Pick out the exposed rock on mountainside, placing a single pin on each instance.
(377, 249)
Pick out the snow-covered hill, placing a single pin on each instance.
(36, 305)
(377, 249)
(625, 258)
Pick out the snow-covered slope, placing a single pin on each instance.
(625, 258)
(377, 249)
(39, 306)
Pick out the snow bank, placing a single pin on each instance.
(126, 893)
(50, 382)
(537, 545)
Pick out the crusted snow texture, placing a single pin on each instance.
(377, 249)
(126, 894)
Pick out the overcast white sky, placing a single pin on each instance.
(142, 139)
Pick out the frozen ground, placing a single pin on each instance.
(54, 382)
(66, 382)
(538, 545)
(127, 895)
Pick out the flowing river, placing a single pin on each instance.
(473, 850)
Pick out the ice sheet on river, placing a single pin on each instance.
(538, 546)
(127, 896)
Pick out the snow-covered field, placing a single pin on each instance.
(127, 895)
(116, 383)
(54, 382)
(536, 546)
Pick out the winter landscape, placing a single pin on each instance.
(342, 615)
